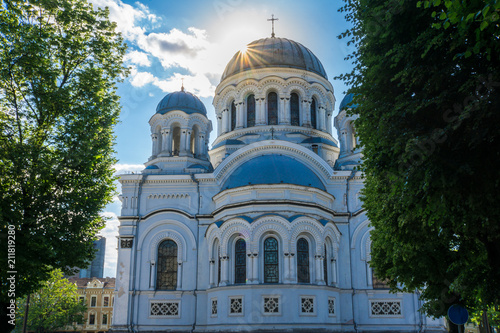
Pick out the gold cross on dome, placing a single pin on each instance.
(272, 19)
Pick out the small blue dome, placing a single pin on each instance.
(181, 100)
(152, 167)
(345, 102)
(273, 169)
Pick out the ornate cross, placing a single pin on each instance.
(272, 19)
(182, 84)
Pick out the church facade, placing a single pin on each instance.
(264, 231)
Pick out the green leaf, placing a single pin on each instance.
(483, 25)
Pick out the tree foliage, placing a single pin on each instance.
(426, 81)
(60, 61)
(55, 306)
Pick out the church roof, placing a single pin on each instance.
(273, 169)
(274, 52)
(345, 102)
(183, 101)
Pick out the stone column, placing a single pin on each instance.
(219, 124)
(287, 113)
(179, 275)
(334, 271)
(183, 150)
(240, 121)
(369, 275)
(165, 142)
(320, 280)
(260, 111)
(154, 138)
(329, 122)
(306, 113)
(293, 272)
(249, 268)
(211, 272)
(281, 111)
(224, 271)
(255, 269)
(322, 118)
(152, 275)
(286, 268)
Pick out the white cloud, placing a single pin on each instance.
(140, 79)
(121, 168)
(137, 58)
(110, 232)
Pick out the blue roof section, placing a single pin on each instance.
(197, 166)
(274, 52)
(228, 142)
(152, 166)
(345, 102)
(246, 218)
(219, 223)
(319, 140)
(323, 221)
(181, 100)
(291, 218)
(273, 169)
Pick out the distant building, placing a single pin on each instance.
(96, 267)
(98, 294)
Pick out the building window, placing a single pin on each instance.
(240, 261)
(325, 266)
(313, 113)
(176, 140)
(271, 305)
(250, 111)
(294, 109)
(92, 319)
(93, 301)
(385, 308)
(165, 309)
(235, 305)
(104, 319)
(271, 261)
(272, 108)
(166, 278)
(315, 148)
(233, 116)
(105, 301)
(307, 305)
(331, 306)
(214, 307)
(303, 261)
(81, 299)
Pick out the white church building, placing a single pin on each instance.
(263, 232)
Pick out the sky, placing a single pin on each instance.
(193, 40)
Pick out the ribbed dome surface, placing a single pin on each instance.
(181, 100)
(274, 52)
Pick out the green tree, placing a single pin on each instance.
(54, 306)
(60, 61)
(426, 81)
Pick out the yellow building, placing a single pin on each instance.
(98, 294)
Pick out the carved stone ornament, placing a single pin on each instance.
(126, 243)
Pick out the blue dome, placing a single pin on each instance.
(345, 102)
(274, 52)
(273, 169)
(152, 167)
(181, 100)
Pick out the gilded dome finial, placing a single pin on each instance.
(182, 84)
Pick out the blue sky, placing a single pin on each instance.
(193, 40)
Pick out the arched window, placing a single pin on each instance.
(325, 266)
(250, 111)
(176, 140)
(303, 261)
(233, 116)
(272, 108)
(271, 260)
(294, 109)
(313, 113)
(166, 275)
(240, 261)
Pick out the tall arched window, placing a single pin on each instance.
(240, 261)
(176, 140)
(313, 113)
(250, 111)
(294, 109)
(166, 274)
(325, 266)
(233, 116)
(272, 108)
(271, 261)
(303, 261)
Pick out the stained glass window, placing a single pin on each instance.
(294, 109)
(166, 276)
(313, 113)
(240, 261)
(325, 267)
(271, 261)
(272, 108)
(233, 116)
(250, 111)
(303, 261)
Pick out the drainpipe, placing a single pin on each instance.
(353, 173)
(198, 252)
(134, 248)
